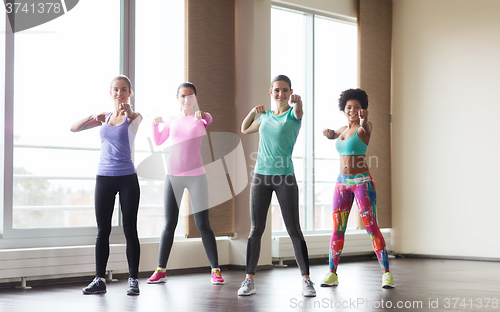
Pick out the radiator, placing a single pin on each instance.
(356, 243)
(51, 261)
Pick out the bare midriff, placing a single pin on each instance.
(353, 164)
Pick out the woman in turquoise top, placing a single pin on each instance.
(278, 131)
(354, 182)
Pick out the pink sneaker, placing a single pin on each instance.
(217, 277)
(158, 277)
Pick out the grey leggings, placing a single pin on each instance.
(287, 192)
(198, 192)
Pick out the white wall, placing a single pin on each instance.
(446, 94)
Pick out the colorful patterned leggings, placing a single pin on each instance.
(360, 187)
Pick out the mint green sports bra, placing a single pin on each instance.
(351, 145)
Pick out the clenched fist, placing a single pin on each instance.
(157, 121)
(328, 133)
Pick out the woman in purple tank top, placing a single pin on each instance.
(115, 174)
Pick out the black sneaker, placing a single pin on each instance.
(97, 286)
(133, 287)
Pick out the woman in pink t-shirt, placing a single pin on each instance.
(185, 170)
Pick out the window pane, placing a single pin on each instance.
(335, 70)
(62, 73)
(288, 27)
(159, 71)
(288, 46)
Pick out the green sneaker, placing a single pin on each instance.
(387, 281)
(331, 279)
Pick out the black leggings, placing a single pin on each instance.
(106, 188)
(198, 192)
(287, 192)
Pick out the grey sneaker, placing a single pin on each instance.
(247, 288)
(97, 286)
(308, 288)
(133, 285)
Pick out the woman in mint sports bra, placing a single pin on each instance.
(354, 183)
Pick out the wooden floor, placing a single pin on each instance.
(421, 284)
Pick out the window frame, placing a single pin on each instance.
(51, 237)
(309, 63)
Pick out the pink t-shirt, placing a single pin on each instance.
(186, 134)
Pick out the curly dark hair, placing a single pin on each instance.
(353, 94)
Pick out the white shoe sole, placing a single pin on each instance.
(309, 295)
(252, 292)
(217, 283)
(161, 280)
(329, 285)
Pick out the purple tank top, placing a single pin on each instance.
(116, 149)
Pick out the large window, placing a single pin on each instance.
(288, 29)
(319, 54)
(159, 70)
(60, 72)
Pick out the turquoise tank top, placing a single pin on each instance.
(278, 135)
(351, 145)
